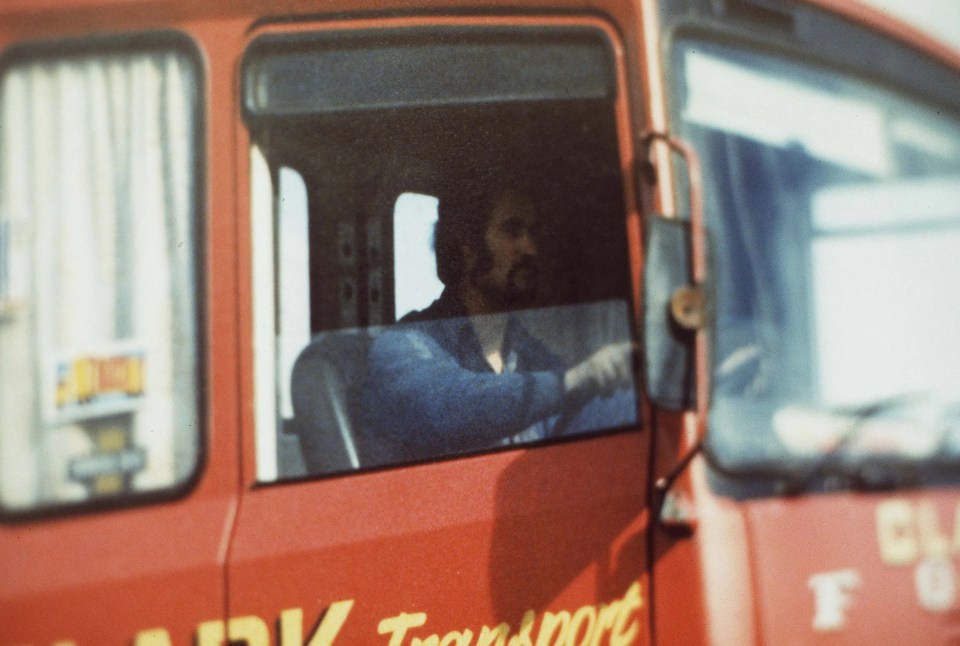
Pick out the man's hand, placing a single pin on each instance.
(603, 372)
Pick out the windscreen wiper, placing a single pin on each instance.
(871, 472)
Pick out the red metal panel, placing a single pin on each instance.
(104, 577)
(854, 568)
(470, 543)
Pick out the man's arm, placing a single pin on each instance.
(417, 393)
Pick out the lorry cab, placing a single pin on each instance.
(238, 407)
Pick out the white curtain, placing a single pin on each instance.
(97, 189)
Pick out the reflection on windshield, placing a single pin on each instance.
(834, 209)
(424, 388)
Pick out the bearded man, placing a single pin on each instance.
(463, 375)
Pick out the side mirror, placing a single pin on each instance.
(671, 313)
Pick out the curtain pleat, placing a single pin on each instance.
(97, 194)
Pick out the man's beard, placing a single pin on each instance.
(522, 280)
(518, 290)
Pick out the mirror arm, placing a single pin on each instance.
(695, 184)
(675, 511)
(688, 304)
(688, 310)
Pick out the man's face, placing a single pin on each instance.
(509, 279)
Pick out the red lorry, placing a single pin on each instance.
(213, 213)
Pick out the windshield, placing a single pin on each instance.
(833, 209)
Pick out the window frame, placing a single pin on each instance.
(267, 425)
(827, 43)
(166, 41)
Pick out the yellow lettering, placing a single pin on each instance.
(605, 620)
(895, 533)
(153, 637)
(553, 624)
(587, 626)
(584, 614)
(135, 376)
(398, 626)
(211, 633)
(626, 627)
(83, 378)
(251, 630)
(457, 638)
(933, 542)
(494, 636)
(330, 625)
(522, 638)
(291, 627)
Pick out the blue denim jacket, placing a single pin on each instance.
(429, 391)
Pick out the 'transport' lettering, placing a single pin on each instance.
(586, 626)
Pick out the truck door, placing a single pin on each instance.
(113, 518)
(384, 503)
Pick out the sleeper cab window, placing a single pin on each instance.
(440, 256)
(99, 333)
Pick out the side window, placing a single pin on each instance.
(459, 245)
(415, 277)
(99, 381)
